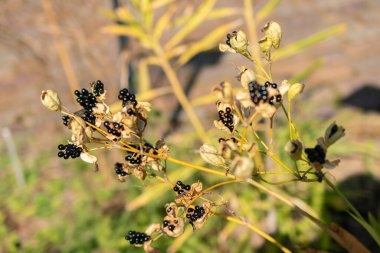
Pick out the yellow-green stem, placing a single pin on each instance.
(178, 91)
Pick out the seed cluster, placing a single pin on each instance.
(180, 187)
(119, 169)
(227, 117)
(86, 99)
(69, 150)
(98, 88)
(66, 120)
(260, 93)
(137, 238)
(316, 154)
(89, 117)
(127, 97)
(194, 214)
(229, 36)
(136, 157)
(114, 128)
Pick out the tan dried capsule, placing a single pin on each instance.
(51, 100)
(210, 155)
(242, 167)
(224, 92)
(294, 149)
(238, 41)
(246, 76)
(295, 89)
(333, 133)
(273, 33)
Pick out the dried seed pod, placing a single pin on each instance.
(224, 92)
(294, 149)
(173, 226)
(242, 167)
(333, 133)
(50, 100)
(273, 33)
(237, 41)
(246, 76)
(210, 154)
(294, 90)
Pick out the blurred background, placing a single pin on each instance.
(52, 205)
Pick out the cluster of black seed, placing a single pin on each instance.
(69, 150)
(260, 93)
(114, 128)
(181, 187)
(194, 214)
(227, 118)
(66, 120)
(98, 88)
(131, 112)
(127, 97)
(86, 99)
(137, 238)
(89, 117)
(119, 169)
(135, 158)
(316, 154)
(167, 224)
(229, 36)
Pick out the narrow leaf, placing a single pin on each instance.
(210, 41)
(132, 31)
(163, 22)
(199, 16)
(267, 10)
(309, 41)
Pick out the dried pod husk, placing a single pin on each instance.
(200, 222)
(78, 131)
(228, 150)
(153, 228)
(238, 42)
(242, 167)
(139, 172)
(175, 226)
(224, 92)
(209, 153)
(50, 100)
(189, 195)
(226, 48)
(294, 149)
(284, 87)
(333, 133)
(196, 187)
(172, 209)
(273, 33)
(294, 90)
(246, 76)
(88, 158)
(244, 99)
(265, 45)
